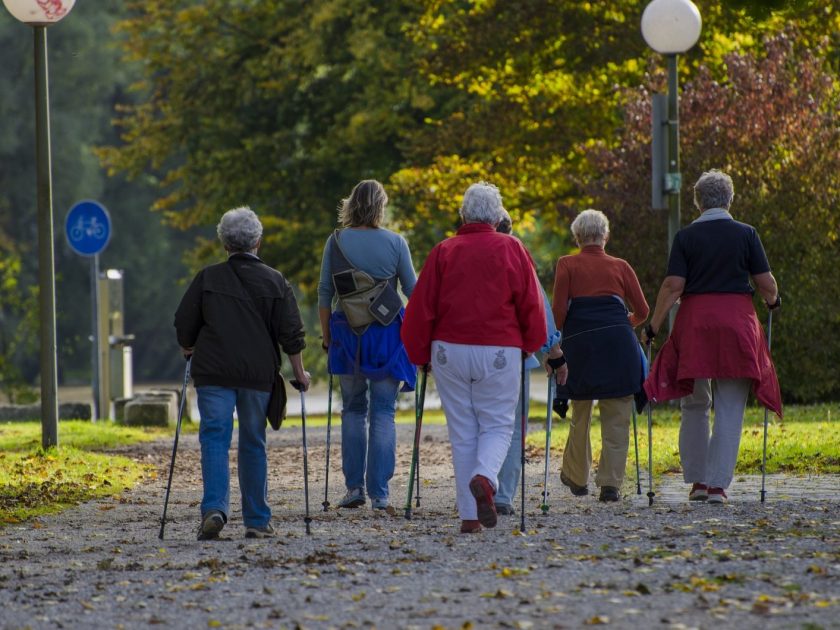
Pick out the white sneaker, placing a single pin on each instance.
(379, 504)
(717, 495)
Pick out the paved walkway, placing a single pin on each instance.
(625, 565)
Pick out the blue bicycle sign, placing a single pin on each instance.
(88, 228)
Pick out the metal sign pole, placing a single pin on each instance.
(94, 346)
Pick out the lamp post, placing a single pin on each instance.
(671, 27)
(39, 14)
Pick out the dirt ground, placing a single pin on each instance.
(626, 565)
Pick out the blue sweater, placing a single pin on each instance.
(377, 251)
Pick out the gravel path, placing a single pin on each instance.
(678, 565)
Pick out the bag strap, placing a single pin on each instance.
(253, 301)
(339, 261)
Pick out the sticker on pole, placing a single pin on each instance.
(88, 228)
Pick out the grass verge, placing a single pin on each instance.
(44, 482)
(35, 482)
(807, 441)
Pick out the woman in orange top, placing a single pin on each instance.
(597, 303)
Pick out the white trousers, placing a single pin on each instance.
(712, 461)
(479, 388)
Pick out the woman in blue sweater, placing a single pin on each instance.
(369, 359)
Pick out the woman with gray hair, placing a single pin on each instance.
(717, 350)
(361, 266)
(476, 308)
(233, 319)
(597, 303)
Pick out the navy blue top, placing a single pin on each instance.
(717, 256)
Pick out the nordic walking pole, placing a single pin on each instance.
(522, 460)
(175, 445)
(544, 505)
(650, 493)
(306, 519)
(326, 502)
(636, 441)
(417, 477)
(764, 451)
(418, 423)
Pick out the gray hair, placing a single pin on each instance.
(365, 206)
(482, 204)
(714, 189)
(240, 230)
(590, 227)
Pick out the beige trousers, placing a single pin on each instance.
(615, 440)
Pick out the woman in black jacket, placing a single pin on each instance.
(231, 321)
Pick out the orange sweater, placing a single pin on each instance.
(592, 273)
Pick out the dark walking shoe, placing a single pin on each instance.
(504, 509)
(211, 524)
(699, 492)
(609, 494)
(483, 492)
(267, 531)
(470, 527)
(354, 498)
(578, 491)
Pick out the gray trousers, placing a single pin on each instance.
(712, 461)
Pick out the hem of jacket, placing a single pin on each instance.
(232, 383)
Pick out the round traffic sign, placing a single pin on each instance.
(88, 228)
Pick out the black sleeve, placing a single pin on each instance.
(286, 320)
(677, 264)
(758, 258)
(189, 317)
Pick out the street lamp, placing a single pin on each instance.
(39, 14)
(670, 27)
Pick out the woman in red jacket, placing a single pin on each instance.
(476, 308)
(717, 346)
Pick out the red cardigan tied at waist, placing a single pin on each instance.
(716, 335)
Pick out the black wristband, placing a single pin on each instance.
(649, 331)
(775, 304)
(556, 363)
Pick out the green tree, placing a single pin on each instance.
(531, 85)
(86, 79)
(282, 105)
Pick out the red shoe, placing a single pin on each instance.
(717, 495)
(699, 492)
(470, 527)
(483, 492)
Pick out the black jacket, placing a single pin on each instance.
(227, 324)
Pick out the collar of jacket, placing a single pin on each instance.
(473, 228)
(595, 250)
(245, 255)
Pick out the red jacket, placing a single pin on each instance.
(716, 335)
(476, 288)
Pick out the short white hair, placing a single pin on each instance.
(590, 226)
(240, 230)
(482, 204)
(713, 189)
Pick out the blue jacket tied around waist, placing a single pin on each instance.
(604, 356)
(376, 354)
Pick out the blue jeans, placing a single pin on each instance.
(368, 440)
(512, 466)
(216, 405)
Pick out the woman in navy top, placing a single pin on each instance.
(717, 345)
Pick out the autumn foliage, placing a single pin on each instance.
(771, 122)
